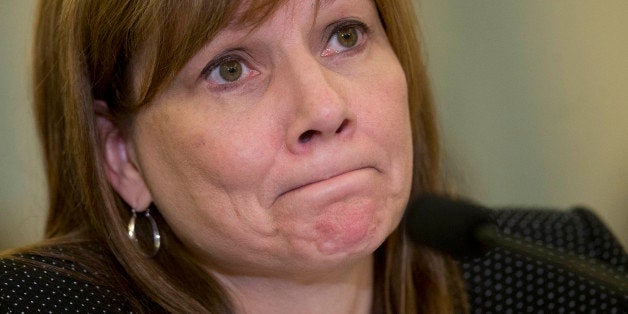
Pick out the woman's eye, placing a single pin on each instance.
(345, 37)
(228, 70)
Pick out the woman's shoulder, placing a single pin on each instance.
(49, 283)
(503, 279)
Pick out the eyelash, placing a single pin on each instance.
(231, 55)
(234, 55)
(362, 29)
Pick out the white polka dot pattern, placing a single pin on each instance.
(505, 282)
(25, 288)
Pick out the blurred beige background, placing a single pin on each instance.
(532, 97)
(533, 100)
(22, 186)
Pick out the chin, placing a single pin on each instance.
(355, 236)
(347, 231)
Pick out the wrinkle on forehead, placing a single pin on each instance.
(324, 3)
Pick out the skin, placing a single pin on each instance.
(284, 182)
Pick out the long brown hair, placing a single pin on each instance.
(86, 50)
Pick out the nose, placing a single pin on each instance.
(321, 113)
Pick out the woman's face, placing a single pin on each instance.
(283, 148)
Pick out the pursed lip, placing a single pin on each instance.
(317, 178)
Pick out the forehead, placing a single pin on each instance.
(325, 3)
(251, 14)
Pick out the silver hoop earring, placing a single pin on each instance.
(145, 250)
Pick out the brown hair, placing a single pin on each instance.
(85, 50)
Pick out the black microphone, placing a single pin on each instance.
(448, 226)
(464, 229)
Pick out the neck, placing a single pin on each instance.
(341, 291)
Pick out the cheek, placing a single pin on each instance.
(198, 145)
(388, 125)
(204, 179)
(390, 104)
(191, 161)
(386, 117)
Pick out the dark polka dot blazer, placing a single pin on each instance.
(500, 282)
(25, 288)
(505, 282)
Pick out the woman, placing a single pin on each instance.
(260, 153)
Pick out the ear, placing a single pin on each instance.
(122, 172)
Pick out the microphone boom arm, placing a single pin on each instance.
(592, 270)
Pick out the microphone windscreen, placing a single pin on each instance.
(447, 225)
